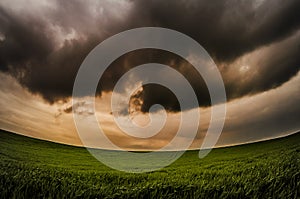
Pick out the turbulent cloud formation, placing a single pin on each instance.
(43, 44)
(44, 49)
(227, 29)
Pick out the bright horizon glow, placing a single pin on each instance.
(35, 117)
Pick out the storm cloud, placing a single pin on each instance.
(42, 45)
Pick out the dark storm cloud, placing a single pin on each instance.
(267, 68)
(154, 93)
(274, 113)
(22, 44)
(227, 29)
(32, 52)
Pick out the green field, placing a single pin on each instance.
(32, 168)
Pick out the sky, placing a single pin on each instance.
(255, 44)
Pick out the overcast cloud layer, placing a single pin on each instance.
(256, 44)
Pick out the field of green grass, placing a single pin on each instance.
(32, 168)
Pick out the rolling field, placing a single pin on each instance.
(32, 168)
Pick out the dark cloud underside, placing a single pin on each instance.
(31, 51)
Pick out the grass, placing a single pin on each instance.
(32, 168)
